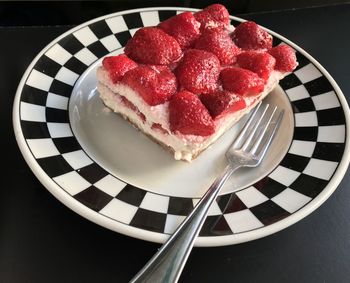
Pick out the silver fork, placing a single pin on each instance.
(247, 150)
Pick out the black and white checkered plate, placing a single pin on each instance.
(309, 172)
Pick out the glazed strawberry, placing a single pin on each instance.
(154, 86)
(167, 82)
(188, 116)
(250, 36)
(261, 63)
(286, 61)
(220, 43)
(198, 71)
(213, 16)
(183, 27)
(204, 18)
(221, 102)
(117, 66)
(219, 13)
(153, 46)
(241, 81)
(159, 68)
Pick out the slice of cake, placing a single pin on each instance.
(187, 81)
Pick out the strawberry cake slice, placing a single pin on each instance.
(187, 81)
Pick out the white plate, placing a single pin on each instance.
(105, 170)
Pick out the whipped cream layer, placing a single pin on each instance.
(185, 147)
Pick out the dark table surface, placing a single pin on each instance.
(41, 240)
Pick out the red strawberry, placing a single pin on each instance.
(198, 71)
(258, 62)
(286, 60)
(153, 46)
(167, 82)
(159, 68)
(213, 16)
(188, 116)
(241, 81)
(218, 42)
(206, 20)
(117, 66)
(154, 86)
(249, 35)
(221, 102)
(183, 27)
(219, 13)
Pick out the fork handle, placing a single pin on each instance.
(167, 264)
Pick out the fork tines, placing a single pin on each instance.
(259, 130)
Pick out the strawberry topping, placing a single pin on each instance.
(198, 71)
(117, 66)
(153, 46)
(241, 81)
(204, 72)
(188, 116)
(219, 13)
(183, 27)
(258, 62)
(250, 36)
(286, 60)
(221, 102)
(220, 43)
(213, 16)
(155, 84)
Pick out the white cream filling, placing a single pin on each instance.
(157, 114)
(114, 102)
(184, 146)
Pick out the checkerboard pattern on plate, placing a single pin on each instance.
(313, 157)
